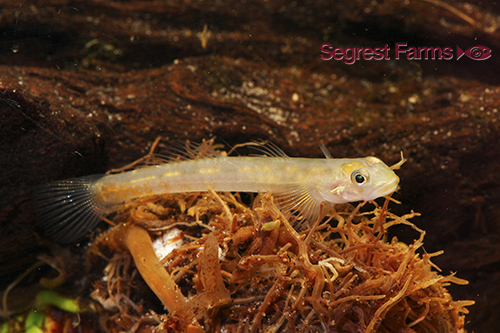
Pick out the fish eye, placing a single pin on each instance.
(359, 178)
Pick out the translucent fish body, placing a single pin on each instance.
(70, 208)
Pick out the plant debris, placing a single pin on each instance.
(239, 269)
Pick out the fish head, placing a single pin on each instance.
(361, 179)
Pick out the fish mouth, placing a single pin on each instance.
(386, 189)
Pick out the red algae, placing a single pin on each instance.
(243, 269)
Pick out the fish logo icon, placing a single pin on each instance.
(475, 52)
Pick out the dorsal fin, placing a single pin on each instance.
(325, 150)
(264, 148)
(184, 151)
(180, 151)
(188, 150)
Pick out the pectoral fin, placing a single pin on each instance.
(297, 197)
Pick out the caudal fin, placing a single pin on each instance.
(68, 209)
